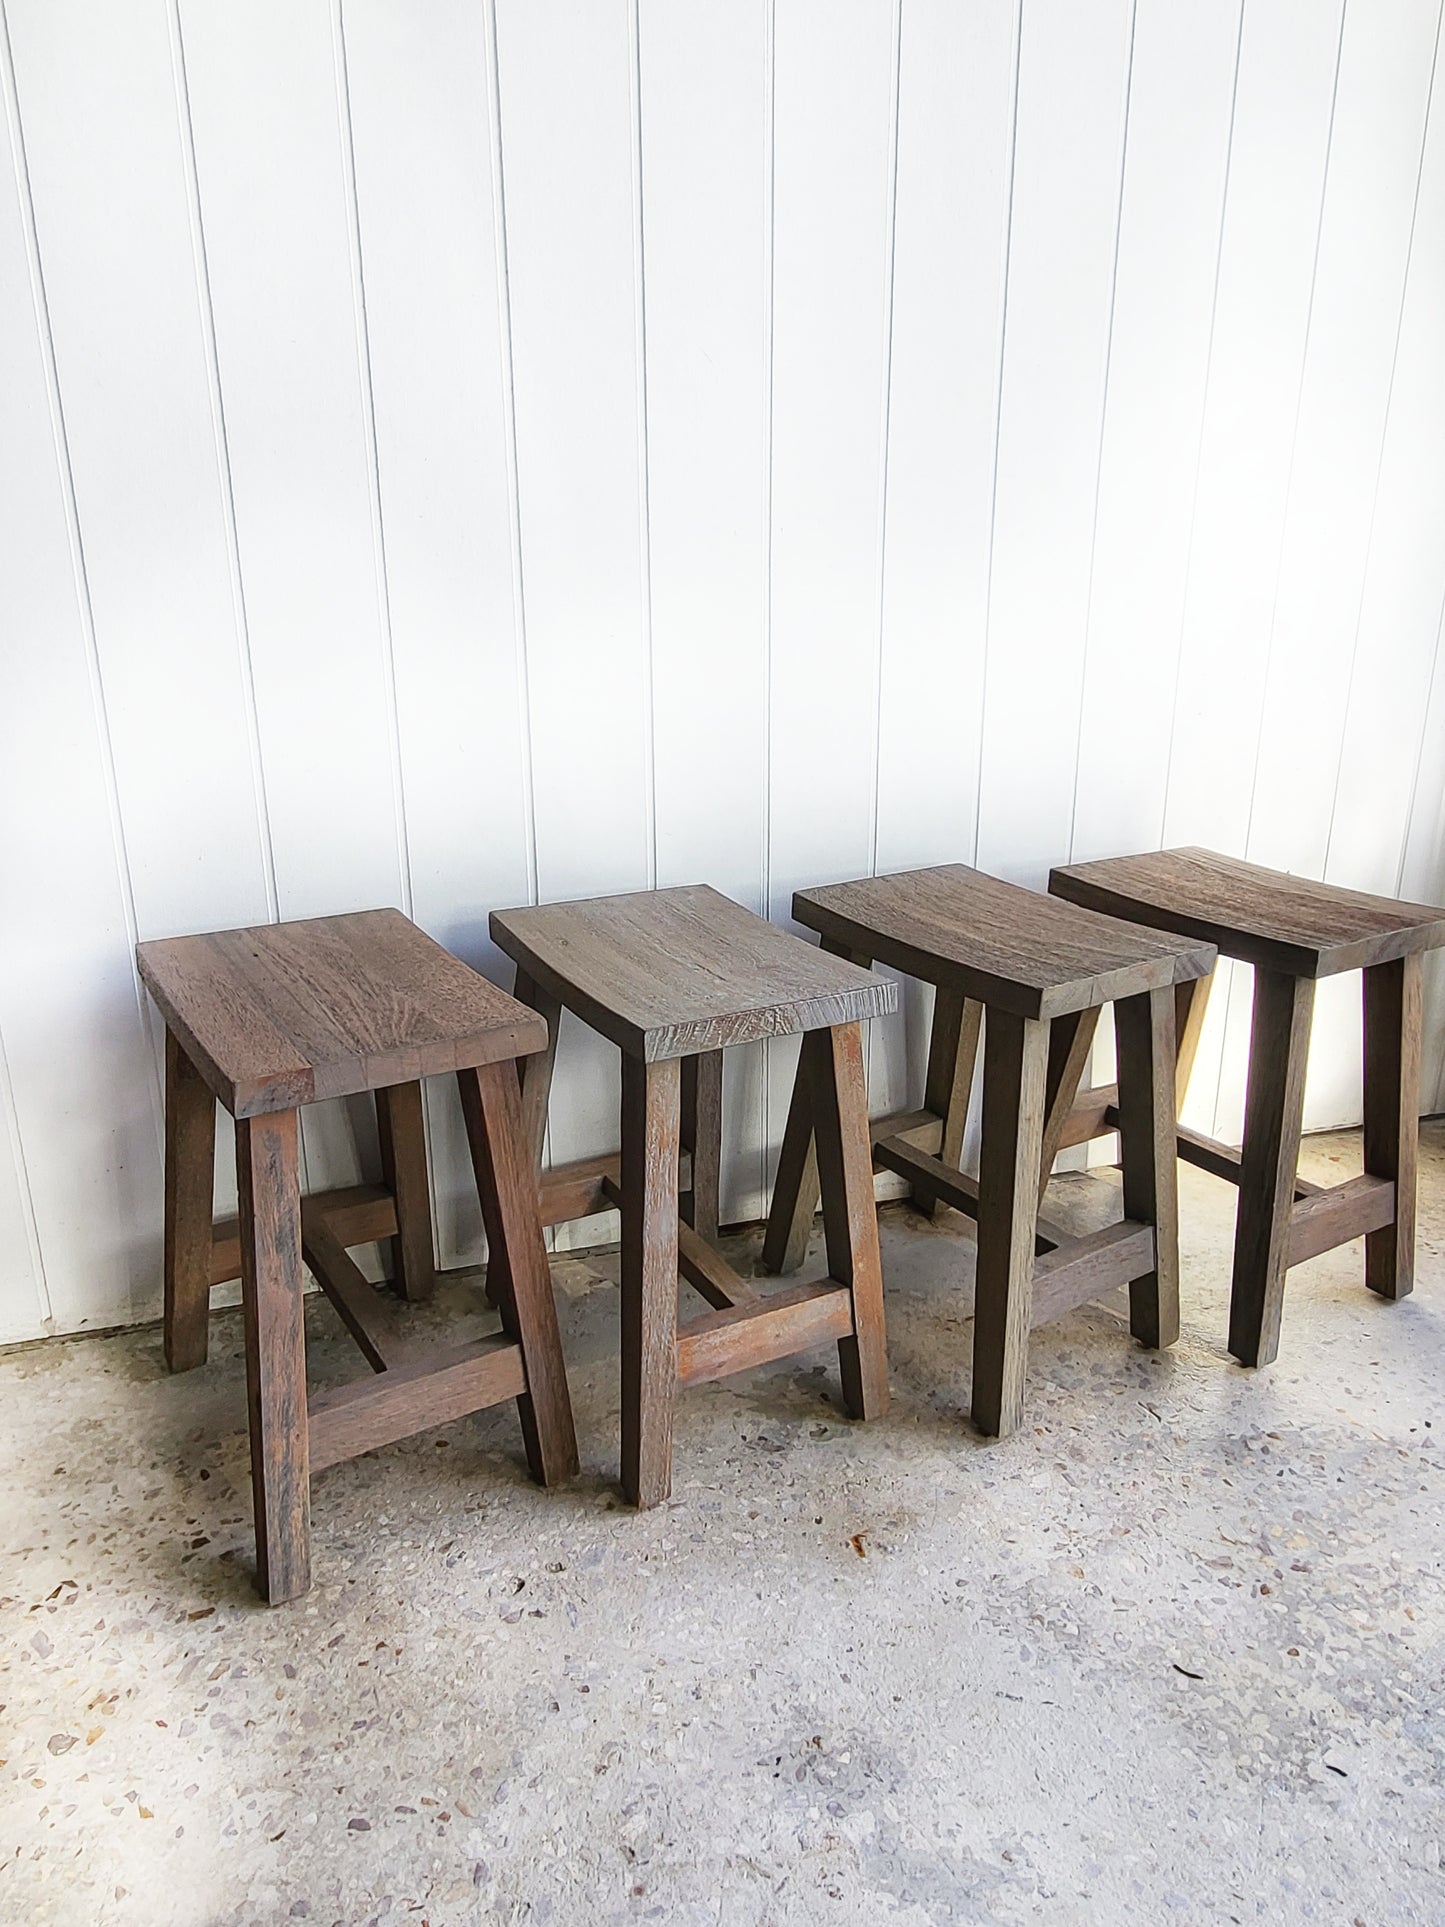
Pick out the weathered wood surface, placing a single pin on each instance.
(833, 1066)
(401, 1136)
(1392, 1126)
(666, 973)
(270, 1215)
(359, 1214)
(522, 1290)
(651, 1128)
(729, 1340)
(702, 1086)
(1273, 1114)
(189, 1180)
(1144, 1029)
(1015, 1067)
(428, 1390)
(1002, 945)
(1285, 923)
(291, 1013)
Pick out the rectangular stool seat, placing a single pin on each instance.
(1265, 917)
(289, 1014)
(997, 942)
(671, 973)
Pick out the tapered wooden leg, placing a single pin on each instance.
(952, 1055)
(1071, 1038)
(269, 1201)
(1191, 1001)
(702, 1136)
(1144, 1030)
(651, 1139)
(402, 1136)
(795, 1190)
(507, 1186)
(1392, 1116)
(1015, 1068)
(1273, 1114)
(190, 1178)
(535, 1070)
(833, 1063)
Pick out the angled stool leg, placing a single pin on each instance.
(535, 1070)
(1191, 1001)
(795, 1190)
(1015, 1067)
(270, 1222)
(1392, 1116)
(507, 1184)
(952, 1056)
(1070, 1040)
(1273, 1115)
(190, 1177)
(702, 1136)
(833, 1064)
(401, 1134)
(1144, 1027)
(651, 1139)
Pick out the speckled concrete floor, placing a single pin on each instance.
(1171, 1653)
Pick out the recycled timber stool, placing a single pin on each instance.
(288, 1014)
(1041, 970)
(1293, 931)
(671, 977)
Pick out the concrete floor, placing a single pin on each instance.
(1171, 1653)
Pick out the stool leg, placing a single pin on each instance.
(1144, 1029)
(1273, 1114)
(1392, 1116)
(402, 1136)
(952, 1056)
(702, 1136)
(190, 1178)
(270, 1221)
(1191, 1000)
(1015, 1069)
(795, 1190)
(651, 1138)
(535, 1070)
(832, 1061)
(1071, 1038)
(507, 1186)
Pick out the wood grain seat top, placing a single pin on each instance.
(290, 1013)
(997, 942)
(667, 973)
(1286, 923)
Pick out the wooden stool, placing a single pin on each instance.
(1293, 931)
(671, 976)
(288, 1014)
(1041, 970)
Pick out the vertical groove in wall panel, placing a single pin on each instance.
(568, 145)
(704, 245)
(769, 1081)
(107, 171)
(1368, 217)
(1386, 797)
(955, 105)
(80, 1070)
(433, 293)
(1173, 195)
(1283, 106)
(283, 292)
(428, 226)
(833, 117)
(1072, 90)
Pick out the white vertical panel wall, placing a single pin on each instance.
(500, 448)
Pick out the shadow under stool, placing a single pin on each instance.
(671, 977)
(1294, 931)
(1032, 973)
(272, 1018)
